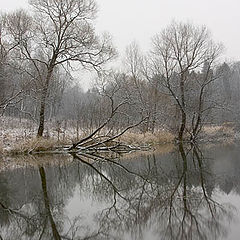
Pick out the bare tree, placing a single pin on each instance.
(9, 93)
(145, 90)
(113, 110)
(177, 52)
(60, 33)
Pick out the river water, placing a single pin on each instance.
(187, 193)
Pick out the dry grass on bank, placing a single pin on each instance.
(213, 130)
(218, 133)
(18, 137)
(159, 137)
(33, 144)
(1, 148)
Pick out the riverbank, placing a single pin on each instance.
(19, 137)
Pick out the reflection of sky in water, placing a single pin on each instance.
(233, 226)
(69, 199)
(81, 207)
(81, 204)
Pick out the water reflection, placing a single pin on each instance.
(149, 196)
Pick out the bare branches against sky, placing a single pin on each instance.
(129, 20)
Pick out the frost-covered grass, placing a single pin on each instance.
(19, 136)
(14, 129)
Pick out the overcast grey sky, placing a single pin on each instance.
(139, 20)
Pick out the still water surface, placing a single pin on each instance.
(189, 193)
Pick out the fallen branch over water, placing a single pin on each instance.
(93, 142)
(118, 148)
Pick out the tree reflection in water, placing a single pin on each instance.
(166, 199)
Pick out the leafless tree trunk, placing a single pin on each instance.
(177, 52)
(60, 33)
